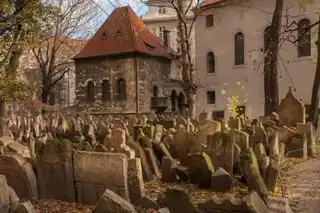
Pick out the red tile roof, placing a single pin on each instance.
(123, 32)
(210, 2)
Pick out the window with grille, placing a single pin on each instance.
(211, 97)
(209, 20)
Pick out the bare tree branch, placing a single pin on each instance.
(54, 51)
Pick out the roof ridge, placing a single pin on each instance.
(108, 41)
(131, 26)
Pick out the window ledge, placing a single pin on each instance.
(304, 58)
(211, 105)
(210, 74)
(239, 66)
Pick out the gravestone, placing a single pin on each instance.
(55, 170)
(200, 169)
(296, 147)
(240, 138)
(20, 175)
(94, 172)
(234, 123)
(291, 110)
(135, 180)
(252, 174)
(307, 129)
(208, 128)
(4, 191)
(220, 149)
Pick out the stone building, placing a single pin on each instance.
(230, 43)
(124, 69)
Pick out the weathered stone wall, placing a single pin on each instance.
(55, 170)
(98, 69)
(94, 172)
(152, 71)
(68, 175)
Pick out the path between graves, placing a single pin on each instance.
(304, 186)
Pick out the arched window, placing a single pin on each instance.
(105, 90)
(239, 48)
(181, 102)
(210, 62)
(155, 91)
(173, 100)
(122, 89)
(90, 91)
(304, 38)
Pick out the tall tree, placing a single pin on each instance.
(315, 96)
(20, 24)
(76, 19)
(271, 91)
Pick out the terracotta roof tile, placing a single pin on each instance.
(210, 2)
(123, 32)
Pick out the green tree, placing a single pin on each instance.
(21, 22)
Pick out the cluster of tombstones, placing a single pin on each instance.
(104, 162)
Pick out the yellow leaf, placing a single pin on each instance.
(314, 60)
(238, 83)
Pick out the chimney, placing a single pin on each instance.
(166, 38)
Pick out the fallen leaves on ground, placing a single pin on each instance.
(283, 179)
(157, 187)
(57, 206)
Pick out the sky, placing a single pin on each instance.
(108, 6)
(136, 5)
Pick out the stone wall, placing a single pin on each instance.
(66, 174)
(94, 172)
(152, 71)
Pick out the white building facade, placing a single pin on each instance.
(230, 55)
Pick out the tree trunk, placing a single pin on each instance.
(314, 108)
(186, 68)
(3, 109)
(14, 63)
(271, 72)
(191, 100)
(45, 95)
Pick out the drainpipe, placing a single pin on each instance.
(135, 67)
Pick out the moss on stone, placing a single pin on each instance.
(62, 145)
